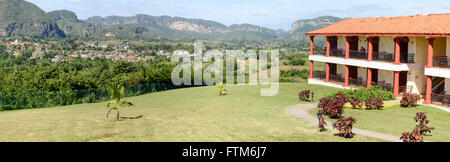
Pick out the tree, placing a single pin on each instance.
(117, 91)
(221, 89)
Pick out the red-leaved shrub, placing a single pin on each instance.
(356, 103)
(374, 103)
(417, 134)
(333, 106)
(322, 123)
(345, 126)
(409, 100)
(304, 95)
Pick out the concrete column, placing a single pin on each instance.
(347, 47)
(328, 47)
(428, 90)
(346, 75)
(369, 78)
(396, 83)
(397, 51)
(370, 49)
(311, 68)
(430, 52)
(327, 72)
(311, 50)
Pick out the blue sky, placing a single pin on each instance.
(275, 14)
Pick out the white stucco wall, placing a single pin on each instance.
(421, 51)
(440, 47)
(448, 45)
(447, 85)
(362, 72)
(362, 43)
(417, 80)
(340, 69)
(412, 44)
(341, 42)
(387, 76)
(387, 44)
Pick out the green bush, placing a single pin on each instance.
(297, 62)
(304, 74)
(363, 94)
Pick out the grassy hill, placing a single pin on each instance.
(192, 114)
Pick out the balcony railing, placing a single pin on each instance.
(337, 52)
(319, 75)
(383, 56)
(320, 51)
(357, 82)
(390, 57)
(441, 62)
(442, 98)
(410, 58)
(358, 54)
(336, 78)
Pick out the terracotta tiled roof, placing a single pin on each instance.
(415, 25)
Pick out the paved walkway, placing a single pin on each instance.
(302, 111)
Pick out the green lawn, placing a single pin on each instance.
(395, 120)
(192, 114)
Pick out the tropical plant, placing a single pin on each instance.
(222, 89)
(417, 134)
(414, 136)
(117, 91)
(322, 123)
(374, 103)
(333, 106)
(409, 100)
(421, 117)
(304, 95)
(356, 103)
(345, 126)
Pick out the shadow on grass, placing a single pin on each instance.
(131, 118)
(340, 135)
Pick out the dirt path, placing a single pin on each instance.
(302, 111)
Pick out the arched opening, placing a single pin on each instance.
(353, 41)
(404, 49)
(333, 42)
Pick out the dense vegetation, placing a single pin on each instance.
(363, 94)
(30, 83)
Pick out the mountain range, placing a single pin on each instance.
(22, 18)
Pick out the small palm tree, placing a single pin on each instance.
(221, 89)
(117, 91)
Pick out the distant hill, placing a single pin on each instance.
(68, 22)
(21, 18)
(300, 27)
(182, 28)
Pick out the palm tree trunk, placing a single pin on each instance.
(109, 111)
